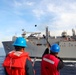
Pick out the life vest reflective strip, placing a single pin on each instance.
(16, 66)
(47, 60)
(49, 65)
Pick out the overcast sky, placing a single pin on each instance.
(15, 15)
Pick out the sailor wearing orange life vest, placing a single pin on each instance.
(51, 63)
(18, 62)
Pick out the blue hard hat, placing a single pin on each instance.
(20, 41)
(55, 48)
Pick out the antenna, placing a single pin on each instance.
(73, 31)
(47, 33)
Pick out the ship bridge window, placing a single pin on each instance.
(39, 44)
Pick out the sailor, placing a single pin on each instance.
(18, 62)
(51, 63)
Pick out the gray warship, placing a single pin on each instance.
(37, 45)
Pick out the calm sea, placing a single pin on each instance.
(2, 52)
(1, 68)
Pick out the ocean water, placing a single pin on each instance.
(1, 68)
(69, 68)
(2, 51)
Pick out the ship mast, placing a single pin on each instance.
(47, 33)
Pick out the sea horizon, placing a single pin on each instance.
(2, 52)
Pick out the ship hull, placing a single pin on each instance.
(67, 49)
(32, 49)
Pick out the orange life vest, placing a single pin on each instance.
(15, 63)
(49, 65)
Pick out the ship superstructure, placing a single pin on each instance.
(37, 45)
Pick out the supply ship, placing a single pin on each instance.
(37, 45)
